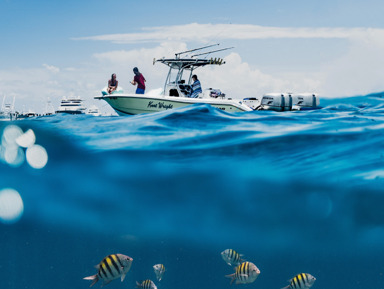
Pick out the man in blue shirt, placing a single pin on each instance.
(196, 87)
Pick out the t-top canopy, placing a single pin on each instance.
(189, 63)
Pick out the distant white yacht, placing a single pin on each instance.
(71, 105)
(93, 110)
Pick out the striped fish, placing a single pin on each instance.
(146, 284)
(231, 257)
(110, 268)
(159, 271)
(245, 273)
(301, 281)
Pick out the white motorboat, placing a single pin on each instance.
(93, 110)
(177, 90)
(71, 105)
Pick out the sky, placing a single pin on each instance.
(52, 49)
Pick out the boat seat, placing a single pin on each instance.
(173, 92)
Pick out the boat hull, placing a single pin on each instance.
(70, 111)
(130, 104)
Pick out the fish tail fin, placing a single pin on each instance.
(232, 276)
(286, 287)
(95, 278)
(138, 285)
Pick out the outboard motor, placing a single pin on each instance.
(304, 101)
(276, 102)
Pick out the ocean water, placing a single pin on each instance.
(293, 192)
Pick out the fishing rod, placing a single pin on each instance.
(200, 48)
(212, 51)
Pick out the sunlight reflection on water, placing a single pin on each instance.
(11, 206)
(11, 149)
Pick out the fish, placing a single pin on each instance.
(111, 267)
(159, 271)
(146, 284)
(245, 273)
(301, 281)
(231, 257)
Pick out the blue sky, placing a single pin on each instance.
(56, 48)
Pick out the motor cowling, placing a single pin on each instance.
(276, 102)
(304, 101)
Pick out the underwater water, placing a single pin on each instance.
(294, 192)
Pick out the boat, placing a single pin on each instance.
(71, 105)
(93, 110)
(27, 114)
(49, 109)
(7, 111)
(177, 90)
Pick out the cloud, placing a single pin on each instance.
(122, 63)
(330, 68)
(358, 71)
(238, 79)
(52, 68)
(219, 32)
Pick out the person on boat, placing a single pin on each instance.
(139, 80)
(196, 87)
(112, 84)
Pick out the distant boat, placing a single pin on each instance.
(93, 110)
(71, 105)
(7, 111)
(29, 113)
(49, 109)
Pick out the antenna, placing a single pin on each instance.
(178, 54)
(212, 51)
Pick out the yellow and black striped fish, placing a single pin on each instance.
(245, 273)
(159, 271)
(146, 284)
(301, 281)
(110, 268)
(231, 257)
